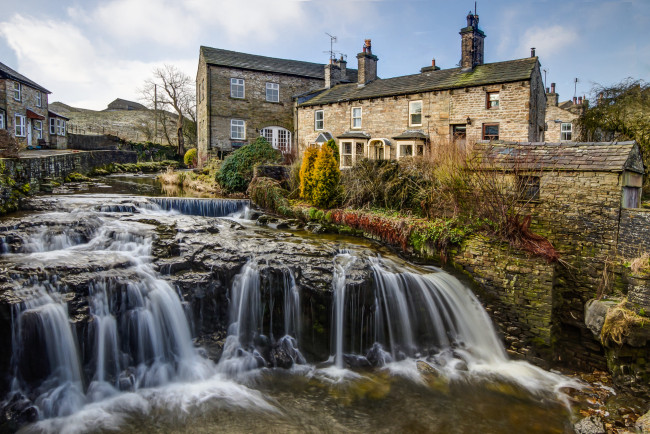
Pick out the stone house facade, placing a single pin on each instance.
(404, 116)
(24, 112)
(561, 117)
(243, 96)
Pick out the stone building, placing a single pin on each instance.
(243, 96)
(403, 116)
(123, 104)
(24, 112)
(561, 117)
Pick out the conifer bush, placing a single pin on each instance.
(307, 172)
(335, 149)
(190, 157)
(326, 179)
(236, 172)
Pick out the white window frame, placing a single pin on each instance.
(319, 117)
(401, 145)
(52, 126)
(356, 120)
(238, 127)
(412, 113)
(235, 85)
(60, 127)
(347, 158)
(38, 128)
(566, 134)
(20, 123)
(274, 90)
(39, 99)
(18, 91)
(2, 119)
(278, 137)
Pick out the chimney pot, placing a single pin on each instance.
(575, 100)
(547, 90)
(552, 87)
(433, 62)
(532, 52)
(579, 100)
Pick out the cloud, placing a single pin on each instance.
(79, 72)
(547, 40)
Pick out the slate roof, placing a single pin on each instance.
(235, 59)
(6, 72)
(593, 156)
(489, 73)
(411, 134)
(353, 135)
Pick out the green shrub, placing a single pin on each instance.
(335, 150)
(236, 172)
(307, 172)
(268, 194)
(320, 215)
(190, 157)
(326, 179)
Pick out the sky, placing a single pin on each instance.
(89, 52)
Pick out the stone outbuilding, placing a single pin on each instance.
(404, 116)
(24, 112)
(123, 104)
(242, 96)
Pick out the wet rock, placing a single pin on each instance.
(377, 356)
(284, 353)
(595, 313)
(18, 411)
(643, 423)
(590, 425)
(356, 361)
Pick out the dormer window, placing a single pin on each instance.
(237, 88)
(492, 100)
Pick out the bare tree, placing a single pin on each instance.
(171, 90)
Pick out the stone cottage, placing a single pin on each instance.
(24, 112)
(403, 116)
(243, 96)
(561, 117)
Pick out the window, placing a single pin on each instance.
(39, 99)
(20, 126)
(38, 129)
(272, 92)
(278, 137)
(356, 117)
(52, 126)
(415, 113)
(528, 187)
(237, 129)
(346, 154)
(319, 120)
(406, 150)
(492, 100)
(490, 131)
(566, 131)
(2, 119)
(60, 127)
(17, 91)
(237, 87)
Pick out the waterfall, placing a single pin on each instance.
(139, 336)
(247, 346)
(410, 315)
(201, 207)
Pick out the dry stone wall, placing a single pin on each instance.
(634, 233)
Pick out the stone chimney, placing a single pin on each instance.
(367, 64)
(532, 52)
(433, 67)
(332, 74)
(552, 97)
(471, 44)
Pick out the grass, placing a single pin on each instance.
(619, 322)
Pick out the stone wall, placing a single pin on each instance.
(634, 233)
(388, 117)
(517, 291)
(93, 143)
(34, 169)
(638, 289)
(218, 108)
(277, 172)
(554, 112)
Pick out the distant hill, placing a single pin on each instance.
(134, 125)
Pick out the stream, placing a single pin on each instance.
(135, 312)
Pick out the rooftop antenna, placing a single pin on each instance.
(331, 51)
(545, 71)
(575, 86)
(474, 8)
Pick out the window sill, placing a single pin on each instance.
(274, 102)
(237, 99)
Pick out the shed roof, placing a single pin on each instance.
(489, 73)
(573, 156)
(235, 59)
(6, 72)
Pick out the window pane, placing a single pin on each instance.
(237, 129)
(318, 118)
(415, 111)
(490, 132)
(237, 87)
(493, 99)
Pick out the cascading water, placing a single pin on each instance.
(201, 207)
(246, 341)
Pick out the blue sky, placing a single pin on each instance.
(91, 52)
